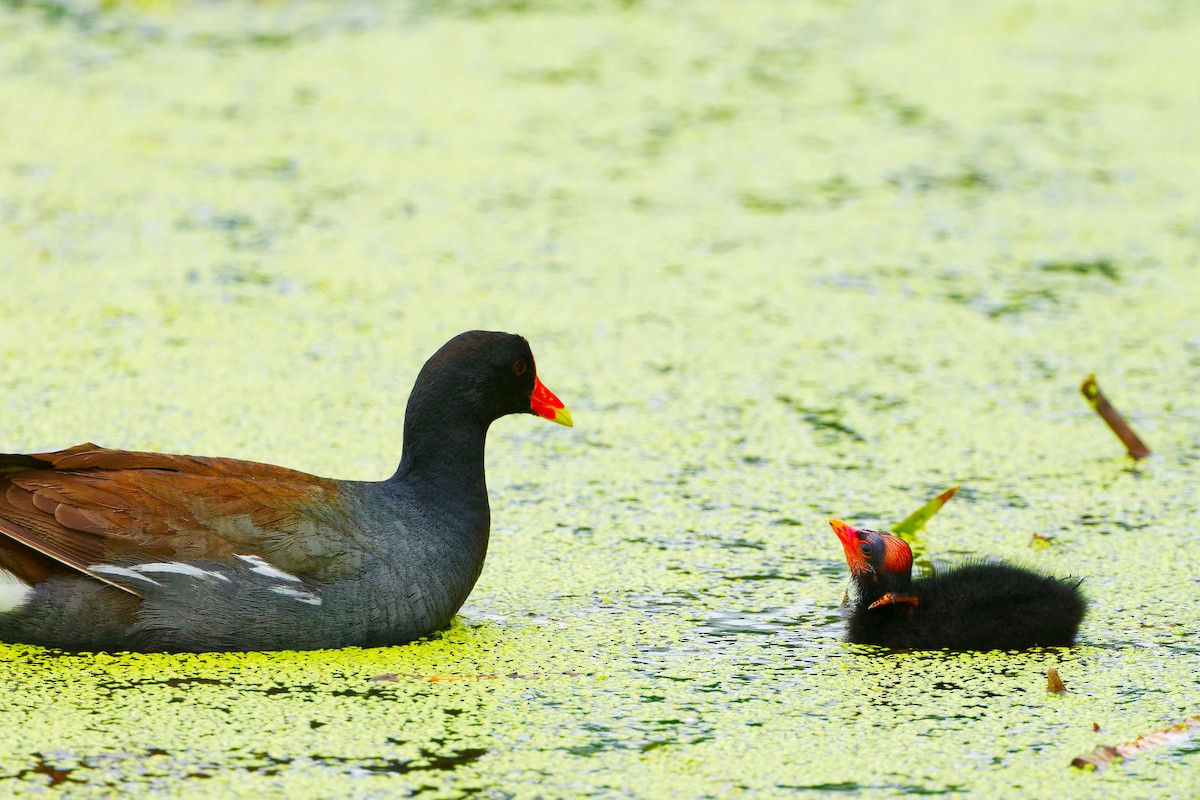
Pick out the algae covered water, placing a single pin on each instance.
(783, 262)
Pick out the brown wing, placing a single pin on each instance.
(89, 505)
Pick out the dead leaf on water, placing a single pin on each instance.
(1105, 755)
(533, 676)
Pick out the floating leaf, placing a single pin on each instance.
(1039, 542)
(1105, 755)
(916, 521)
(533, 676)
(1054, 683)
(1099, 403)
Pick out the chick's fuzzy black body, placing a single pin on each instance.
(975, 606)
(983, 605)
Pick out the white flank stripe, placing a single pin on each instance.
(263, 567)
(179, 568)
(109, 569)
(13, 591)
(297, 594)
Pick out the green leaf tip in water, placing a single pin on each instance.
(916, 521)
(1133, 444)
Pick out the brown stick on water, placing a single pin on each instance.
(1099, 403)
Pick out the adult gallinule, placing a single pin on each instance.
(113, 550)
(976, 606)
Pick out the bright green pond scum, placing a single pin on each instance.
(783, 262)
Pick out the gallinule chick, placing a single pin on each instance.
(975, 606)
(114, 550)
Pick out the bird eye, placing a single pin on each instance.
(519, 367)
(866, 549)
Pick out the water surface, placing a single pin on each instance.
(782, 261)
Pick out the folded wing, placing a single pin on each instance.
(73, 509)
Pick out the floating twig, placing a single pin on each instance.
(1099, 403)
(1105, 755)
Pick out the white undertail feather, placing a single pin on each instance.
(13, 591)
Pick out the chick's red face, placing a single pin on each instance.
(848, 536)
(873, 551)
